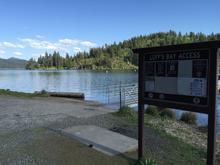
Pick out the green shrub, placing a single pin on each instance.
(152, 110)
(189, 118)
(125, 112)
(168, 113)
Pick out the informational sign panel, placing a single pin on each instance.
(177, 76)
(180, 76)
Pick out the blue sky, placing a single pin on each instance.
(28, 28)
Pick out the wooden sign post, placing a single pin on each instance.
(183, 77)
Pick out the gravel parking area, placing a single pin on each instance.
(20, 113)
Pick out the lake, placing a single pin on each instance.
(92, 83)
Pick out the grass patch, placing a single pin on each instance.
(7, 92)
(178, 152)
(148, 161)
(182, 145)
(125, 112)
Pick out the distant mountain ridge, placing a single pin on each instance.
(12, 63)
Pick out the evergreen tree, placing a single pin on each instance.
(116, 56)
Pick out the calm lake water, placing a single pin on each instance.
(92, 83)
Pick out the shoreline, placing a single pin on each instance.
(44, 93)
(92, 70)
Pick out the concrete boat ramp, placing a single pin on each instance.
(103, 140)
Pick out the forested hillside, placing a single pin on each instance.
(12, 63)
(117, 55)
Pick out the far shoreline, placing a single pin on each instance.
(92, 70)
(101, 70)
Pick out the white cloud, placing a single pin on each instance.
(17, 53)
(38, 42)
(39, 36)
(62, 44)
(2, 52)
(88, 44)
(10, 45)
(67, 41)
(20, 46)
(77, 49)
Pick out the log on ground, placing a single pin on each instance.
(67, 95)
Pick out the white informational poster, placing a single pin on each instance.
(198, 87)
(192, 87)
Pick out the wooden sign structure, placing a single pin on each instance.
(180, 76)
